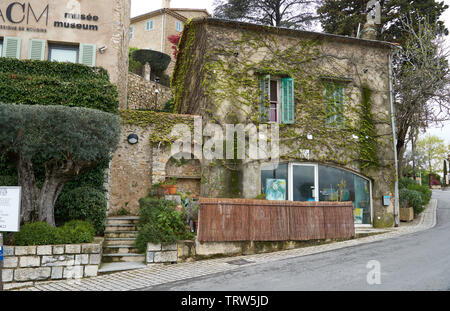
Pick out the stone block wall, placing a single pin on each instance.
(158, 253)
(25, 265)
(141, 93)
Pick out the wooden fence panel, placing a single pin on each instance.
(223, 220)
(269, 223)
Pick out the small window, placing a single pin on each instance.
(149, 25)
(131, 32)
(334, 96)
(276, 99)
(63, 53)
(178, 26)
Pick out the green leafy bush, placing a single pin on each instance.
(411, 198)
(7, 180)
(424, 191)
(159, 223)
(40, 233)
(83, 203)
(404, 182)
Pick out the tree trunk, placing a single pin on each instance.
(27, 181)
(50, 191)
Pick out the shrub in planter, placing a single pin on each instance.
(424, 191)
(411, 198)
(159, 223)
(83, 203)
(404, 182)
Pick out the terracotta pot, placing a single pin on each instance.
(170, 189)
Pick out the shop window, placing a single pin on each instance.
(149, 25)
(334, 97)
(178, 26)
(276, 99)
(63, 53)
(275, 175)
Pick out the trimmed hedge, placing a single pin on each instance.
(42, 90)
(63, 71)
(83, 203)
(41, 233)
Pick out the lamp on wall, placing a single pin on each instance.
(103, 49)
(133, 139)
(156, 100)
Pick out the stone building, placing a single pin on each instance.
(151, 30)
(328, 96)
(80, 31)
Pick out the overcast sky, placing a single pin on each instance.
(139, 7)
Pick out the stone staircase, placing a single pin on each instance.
(119, 252)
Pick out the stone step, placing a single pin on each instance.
(119, 241)
(121, 220)
(120, 266)
(130, 257)
(121, 234)
(120, 249)
(120, 227)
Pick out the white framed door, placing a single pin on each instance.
(303, 182)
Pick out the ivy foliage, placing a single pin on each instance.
(31, 82)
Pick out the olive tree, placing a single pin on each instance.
(66, 140)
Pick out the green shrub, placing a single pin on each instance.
(41, 233)
(83, 203)
(75, 232)
(38, 233)
(8, 181)
(159, 223)
(404, 182)
(424, 191)
(411, 198)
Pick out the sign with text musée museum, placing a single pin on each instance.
(24, 16)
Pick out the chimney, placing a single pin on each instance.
(166, 4)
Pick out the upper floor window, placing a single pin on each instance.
(149, 25)
(276, 100)
(1, 47)
(178, 26)
(131, 32)
(334, 97)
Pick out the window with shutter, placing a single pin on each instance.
(287, 100)
(36, 49)
(87, 54)
(11, 47)
(264, 98)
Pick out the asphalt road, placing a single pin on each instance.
(417, 261)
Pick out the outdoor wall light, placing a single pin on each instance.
(103, 49)
(133, 139)
(309, 136)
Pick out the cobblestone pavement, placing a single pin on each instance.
(158, 274)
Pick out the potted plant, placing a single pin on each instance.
(170, 186)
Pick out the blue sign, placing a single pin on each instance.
(1, 253)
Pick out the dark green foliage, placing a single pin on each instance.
(62, 71)
(411, 198)
(424, 191)
(367, 134)
(158, 61)
(404, 182)
(56, 132)
(8, 180)
(342, 17)
(133, 65)
(159, 223)
(445, 172)
(40, 233)
(94, 178)
(82, 203)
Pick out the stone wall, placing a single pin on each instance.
(141, 93)
(157, 253)
(25, 265)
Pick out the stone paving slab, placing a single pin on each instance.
(157, 274)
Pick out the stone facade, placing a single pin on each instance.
(141, 93)
(25, 265)
(218, 76)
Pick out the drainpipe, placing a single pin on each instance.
(394, 136)
(162, 30)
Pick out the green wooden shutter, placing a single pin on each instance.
(11, 47)
(264, 98)
(287, 101)
(88, 53)
(36, 49)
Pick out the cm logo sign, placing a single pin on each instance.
(18, 13)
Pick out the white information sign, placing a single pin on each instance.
(10, 198)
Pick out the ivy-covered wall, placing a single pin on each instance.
(217, 76)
